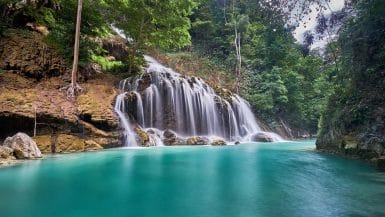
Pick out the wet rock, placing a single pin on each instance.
(144, 82)
(170, 138)
(198, 140)
(23, 146)
(237, 142)
(151, 131)
(169, 134)
(180, 141)
(218, 142)
(174, 141)
(143, 137)
(261, 137)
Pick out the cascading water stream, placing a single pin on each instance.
(162, 99)
(129, 135)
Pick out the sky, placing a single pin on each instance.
(335, 5)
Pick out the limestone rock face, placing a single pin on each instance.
(23, 146)
(44, 143)
(34, 60)
(261, 137)
(69, 143)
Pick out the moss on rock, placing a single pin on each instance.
(218, 142)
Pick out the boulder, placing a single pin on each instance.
(171, 138)
(218, 142)
(261, 137)
(198, 140)
(23, 146)
(6, 152)
(169, 134)
(237, 142)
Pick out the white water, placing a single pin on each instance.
(162, 99)
(129, 135)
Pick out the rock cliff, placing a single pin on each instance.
(32, 85)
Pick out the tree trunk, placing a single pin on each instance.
(74, 88)
(237, 43)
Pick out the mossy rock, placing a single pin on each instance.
(198, 140)
(218, 142)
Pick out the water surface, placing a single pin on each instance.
(249, 180)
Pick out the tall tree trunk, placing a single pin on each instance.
(237, 43)
(74, 88)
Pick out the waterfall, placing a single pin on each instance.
(162, 99)
(129, 135)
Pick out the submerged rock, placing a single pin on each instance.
(23, 146)
(218, 142)
(261, 137)
(198, 140)
(380, 162)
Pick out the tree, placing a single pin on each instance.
(237, 43)
(163, 24)
(74, 88)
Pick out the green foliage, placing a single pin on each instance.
(278, 80)
(148, 23)
(358, 102)
(108, 65)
